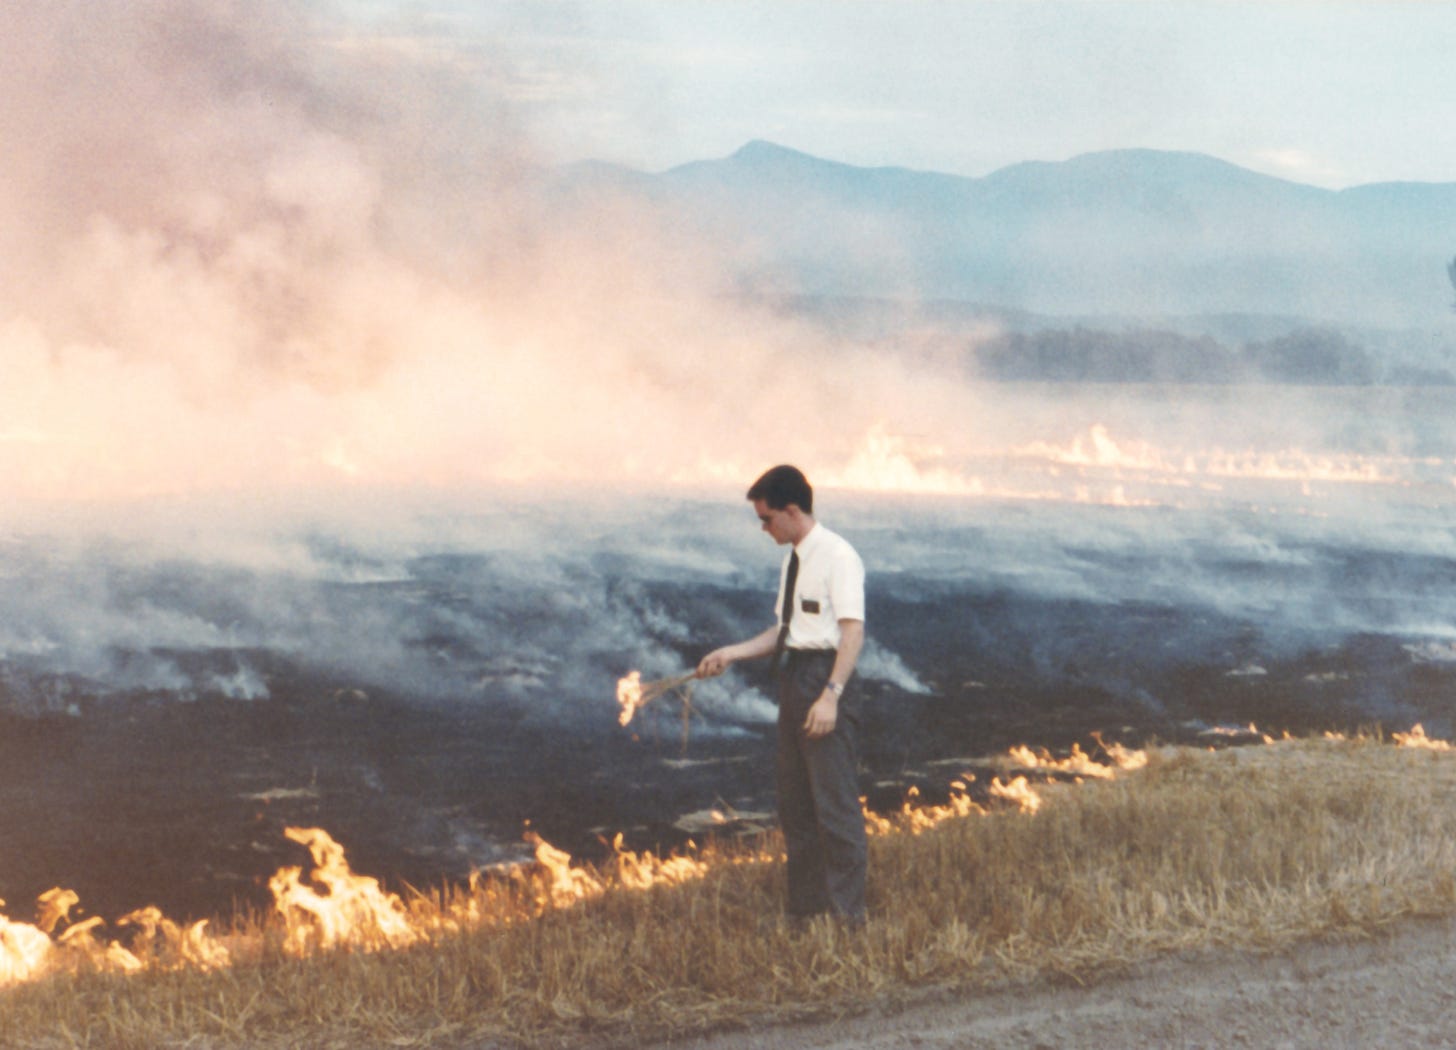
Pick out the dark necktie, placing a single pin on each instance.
(790, 579)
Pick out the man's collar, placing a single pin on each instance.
(810, 538)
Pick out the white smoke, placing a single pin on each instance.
(255, 246)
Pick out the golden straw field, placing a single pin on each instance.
(1120, 859)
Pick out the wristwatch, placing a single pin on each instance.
(834, 687)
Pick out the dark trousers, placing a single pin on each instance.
(818, 792)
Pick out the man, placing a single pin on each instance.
(815, 644)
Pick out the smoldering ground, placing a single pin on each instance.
(425, 680)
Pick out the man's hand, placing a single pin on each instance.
(822, 716)
(715, 663)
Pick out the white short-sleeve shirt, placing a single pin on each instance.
(829, 588)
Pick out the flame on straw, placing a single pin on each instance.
(1417, 738)
(332, 908)
(335, 906)
(1079, 763)
(633, 694)
(1017, 791)
(915, 817)
(629, 696)
(25, 951)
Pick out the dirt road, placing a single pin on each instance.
(1393, 992)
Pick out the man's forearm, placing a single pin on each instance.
(851, 641)
(716, 662)
(759, 645)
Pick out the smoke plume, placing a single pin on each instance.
(253, 246)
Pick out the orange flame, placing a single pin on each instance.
(566, 885)
(28, 952)
(1079, 763)
(641, 871)
(333, 908)
(629, 696)
(1017, 791)
(340, 908)
(1417, 738)
(192, 946)
(25, 951)
(914, 818)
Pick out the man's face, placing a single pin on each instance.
(777, 523)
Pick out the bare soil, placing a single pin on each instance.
(1396, 989)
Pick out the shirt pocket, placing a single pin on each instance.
(814, 605)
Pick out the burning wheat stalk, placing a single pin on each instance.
(633, 694)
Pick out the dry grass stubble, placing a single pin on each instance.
(1251, 847)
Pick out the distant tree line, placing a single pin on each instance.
(1313, 356)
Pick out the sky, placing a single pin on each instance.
(1333, 94)
(273, 246)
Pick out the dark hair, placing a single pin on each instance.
(781, 486)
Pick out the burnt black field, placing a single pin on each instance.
(430, 682)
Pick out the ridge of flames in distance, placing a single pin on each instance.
(887, 462)
(1098, 450)
(329, 907)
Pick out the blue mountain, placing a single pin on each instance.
(1137, 232)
